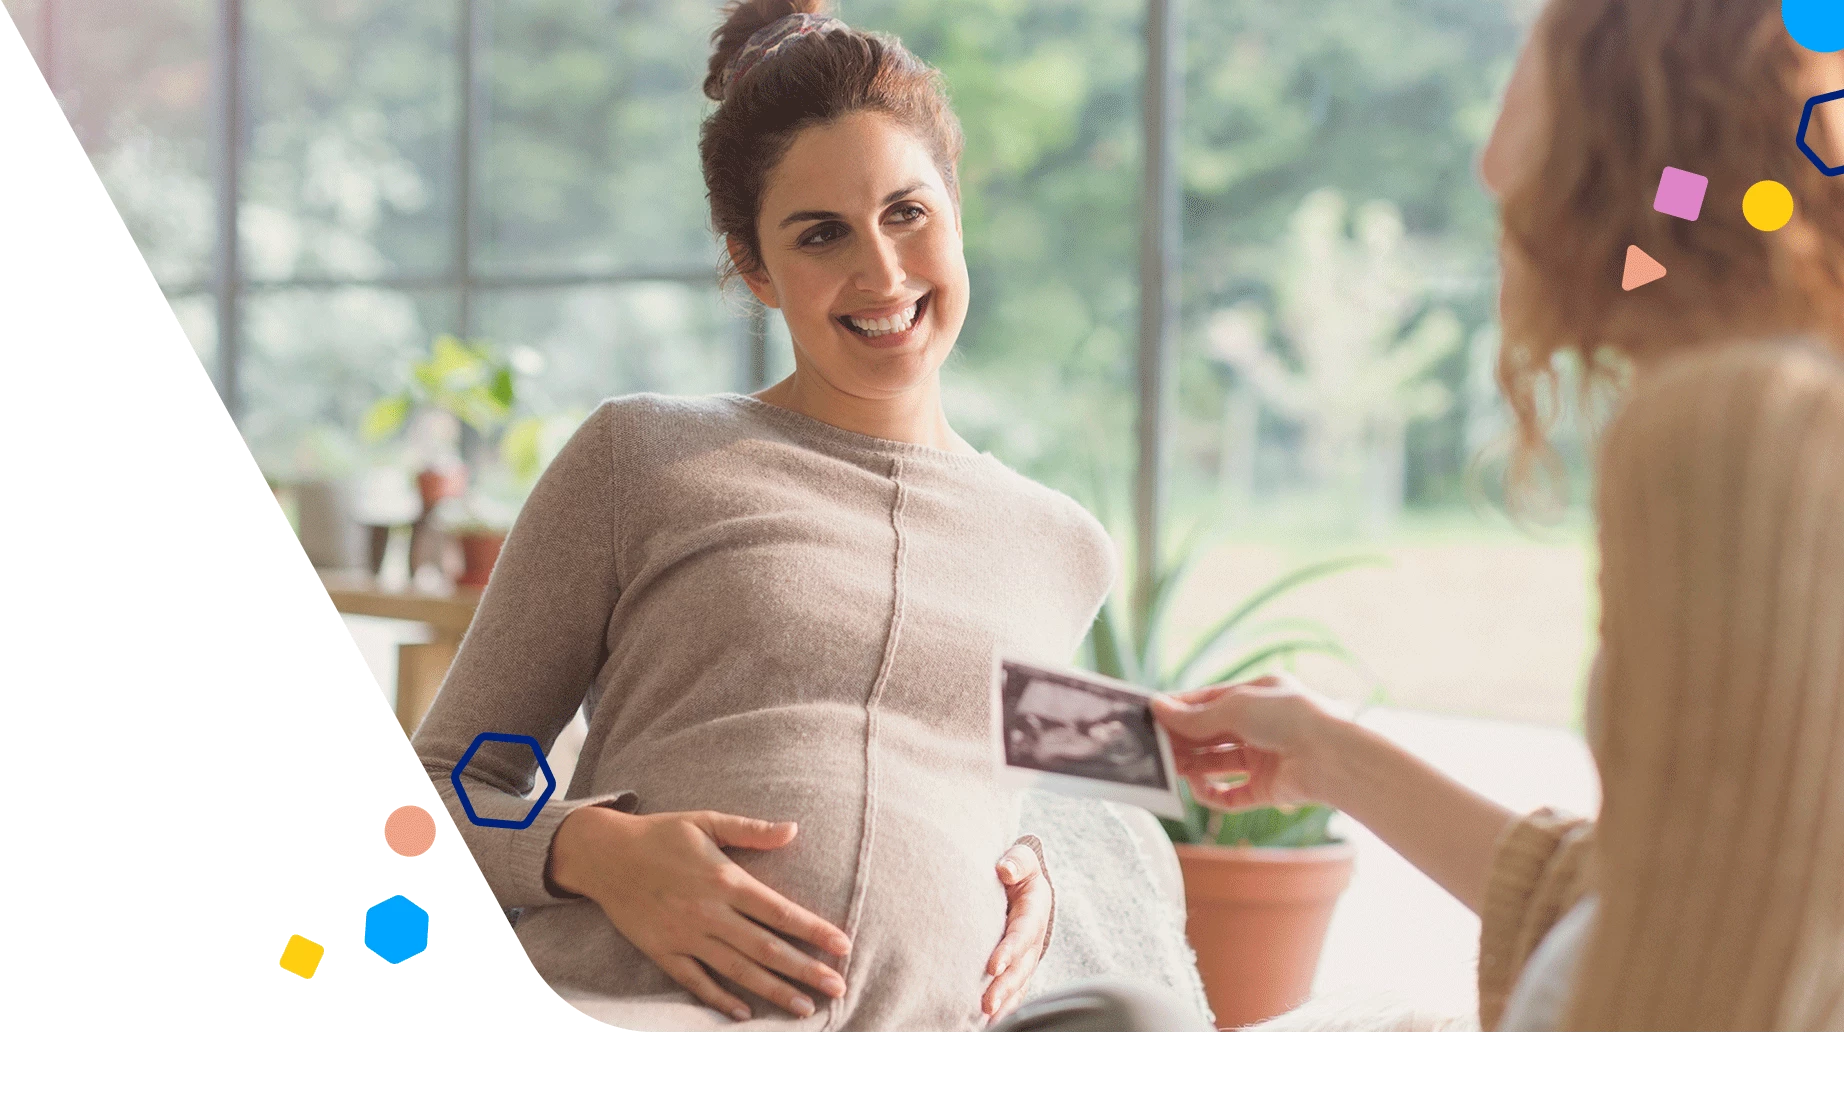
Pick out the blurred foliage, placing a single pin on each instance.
(1382, 100)
(469, 381)
(588, 160)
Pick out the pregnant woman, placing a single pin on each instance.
(780, 612)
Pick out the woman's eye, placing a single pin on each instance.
(821, 234)
(910, 213)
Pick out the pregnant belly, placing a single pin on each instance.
(930, 909)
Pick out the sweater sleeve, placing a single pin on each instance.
(1539, 872)
(526, 663)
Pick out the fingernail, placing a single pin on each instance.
(834, 986)
(1007, 873)
(739, 1013)
(803, 1007)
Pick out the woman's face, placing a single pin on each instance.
(861, 252)
(1516, 145)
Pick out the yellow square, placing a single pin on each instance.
(301, 957)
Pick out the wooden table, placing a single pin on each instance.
(420, 667)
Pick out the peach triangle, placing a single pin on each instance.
(1641, 268)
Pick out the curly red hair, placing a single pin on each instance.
(1715, 87)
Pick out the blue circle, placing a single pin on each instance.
(396, 930)
(1817, 25)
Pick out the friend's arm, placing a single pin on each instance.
(1442, 827)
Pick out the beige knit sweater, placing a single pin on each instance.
(766, 615)
(1718, 729)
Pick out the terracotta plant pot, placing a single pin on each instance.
(479, 552)
(434, 485)
(1257, 919)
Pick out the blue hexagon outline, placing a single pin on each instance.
(412, 904)
(550, 781)
(1805, 122)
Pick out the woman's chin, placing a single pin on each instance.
(891, 376)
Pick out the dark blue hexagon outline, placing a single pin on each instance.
(550, 781)
(1805, 121)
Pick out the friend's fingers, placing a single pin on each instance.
(693, 978)
(775, 911)
(731, 963)
(1202, 761)
(771, 952)
(1222, 797)
(1195, 725)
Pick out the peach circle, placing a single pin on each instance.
(409, 831)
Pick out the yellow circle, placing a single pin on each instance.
(1767, 205)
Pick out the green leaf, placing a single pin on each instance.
(385, 417)
(502, 389)
(1108, 643)
(450, 359)
(520, 448)
(1220, 632)
(1165, 589)
(1256, 659)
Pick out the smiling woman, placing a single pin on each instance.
(834, 185)
(781, 612)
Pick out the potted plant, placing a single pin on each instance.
(1260, 885)
(473, 386)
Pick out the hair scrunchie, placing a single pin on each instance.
(773, 39)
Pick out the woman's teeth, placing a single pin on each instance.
(885, 326)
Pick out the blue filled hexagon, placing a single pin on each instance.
(396, 930)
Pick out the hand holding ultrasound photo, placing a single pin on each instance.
(1082, 734)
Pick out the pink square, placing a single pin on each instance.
(1680, 193)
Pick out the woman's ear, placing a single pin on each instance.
(755, 278)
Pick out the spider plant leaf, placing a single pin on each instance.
(1158, 607)
(1220, 632)
(1255, 634)
(1107, 644)
(1264, 654)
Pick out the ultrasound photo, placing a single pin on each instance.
(1083, 735)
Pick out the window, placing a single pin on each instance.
(527, 173)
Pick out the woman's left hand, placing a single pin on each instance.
(1027, 921)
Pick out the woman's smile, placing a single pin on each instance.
(887, 328)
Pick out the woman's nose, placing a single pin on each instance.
(881, 270)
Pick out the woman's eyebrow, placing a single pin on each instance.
(805, 215)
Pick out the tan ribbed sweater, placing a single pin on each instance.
(766, 615)
(1718, 728)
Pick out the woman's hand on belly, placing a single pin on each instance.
(1027, 921)
(667, 886)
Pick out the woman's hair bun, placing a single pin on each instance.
(743, 18)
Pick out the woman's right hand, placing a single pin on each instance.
(668, 887)
(1270, 742)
